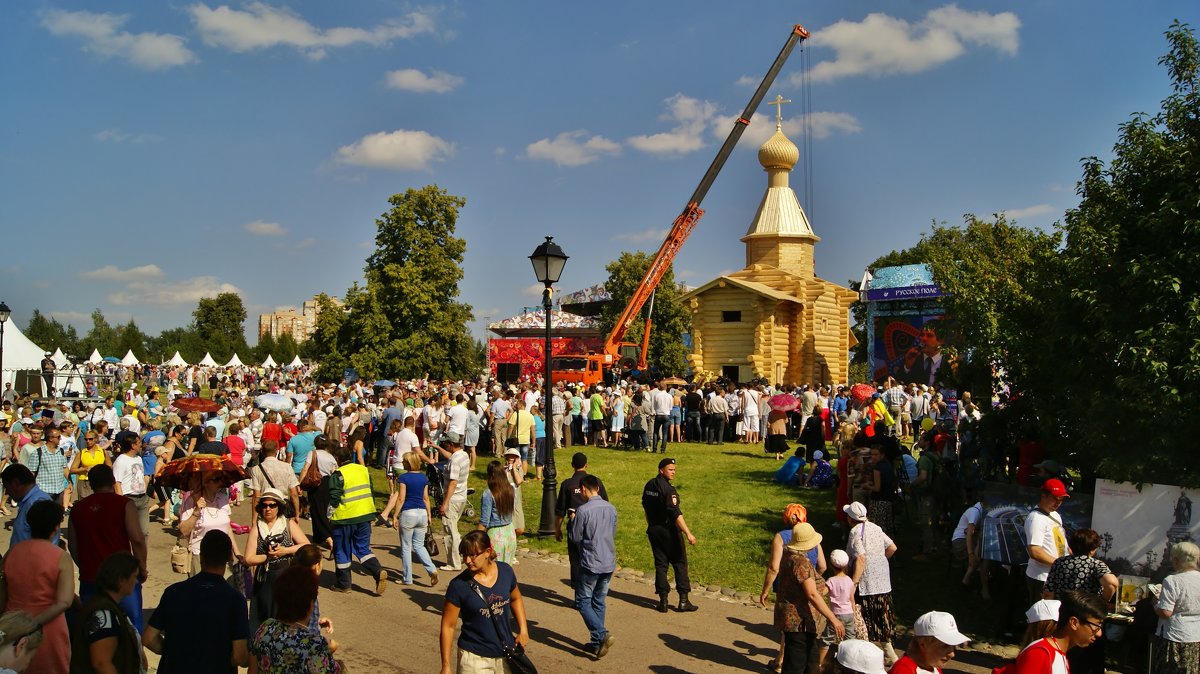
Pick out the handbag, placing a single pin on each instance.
(431, 546)
(311, 477)
(181, 557)
(514, 655)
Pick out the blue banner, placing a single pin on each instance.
(909, 293)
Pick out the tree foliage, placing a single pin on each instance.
(48, 333)
(220, 321)
(670, 317)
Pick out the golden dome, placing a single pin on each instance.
(778, 152)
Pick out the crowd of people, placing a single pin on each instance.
(103, 467)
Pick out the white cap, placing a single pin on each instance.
(1043, 609)
(860, 656)
(940, 625)
(839, 559)
(856, 511)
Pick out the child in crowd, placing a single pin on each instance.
(841, 601)
(1042, 618)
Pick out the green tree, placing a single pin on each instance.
(406, 320)
(220, 321)
(267, 346)
(48, 333)
(322, 346)
(286, 348)
(129, 337)
(102, 337)
(185, 340)
(1122, 309)
(670, 318)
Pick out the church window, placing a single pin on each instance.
(731, 317)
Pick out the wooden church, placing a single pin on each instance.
(774, 318)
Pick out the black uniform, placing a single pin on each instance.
(570, 497)
(661, 503)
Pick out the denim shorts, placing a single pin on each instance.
(676, 416)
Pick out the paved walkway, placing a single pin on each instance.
(398, 632)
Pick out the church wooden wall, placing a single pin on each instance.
(716, 343)
(794, 256)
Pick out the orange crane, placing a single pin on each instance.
(589, 369)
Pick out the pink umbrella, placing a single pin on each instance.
(783, 402)
(861, 393)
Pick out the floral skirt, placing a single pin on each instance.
(1175, 657)
(877, 614)
(504, 542)
(881, 513)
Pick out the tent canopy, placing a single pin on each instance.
(234, 362)
(95, 358)
(129, 358)
(19, 353)
(207, 360)
(296, 362)
(270, 362)
(60, 359)
(176, 360)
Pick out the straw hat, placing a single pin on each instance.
(804, 537)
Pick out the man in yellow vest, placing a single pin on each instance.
(353, 505)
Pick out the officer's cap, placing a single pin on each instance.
(666, 462)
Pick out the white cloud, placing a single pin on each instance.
(747, 81)
(102, 35)
(411, 79)
(646, 236)
(534, 290)
(822, 125)
(572, 148)
(884, 45)
(166, 293)
(113, 273)
(305, 242)
(119, 136)
(73, 317)
(1030, 211)
(261, 26)
(691, 117)
(400, 150)
(260, 228)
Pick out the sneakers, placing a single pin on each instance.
(602, 649)
(381, 583)
(452, 569)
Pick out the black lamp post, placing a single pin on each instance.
(5, 312)
(548, 262)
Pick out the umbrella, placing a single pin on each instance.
(196, 405)
(783, 402)
(299, 397)
(673, 381)
(111, 359)
(385, 383)
(275, 402)
(179, 472)
(861, 393)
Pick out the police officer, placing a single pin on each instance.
(664, 524)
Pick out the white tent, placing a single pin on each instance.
(129, 358)
(270, 362)
(60, 360)
(20, 354)
(176, 360)
(95, 358)
(235, 362)
(66, 382)
(296, 362)
(207, 360)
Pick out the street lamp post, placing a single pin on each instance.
(548, 262)
(5, 312)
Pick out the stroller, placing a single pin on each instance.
(439, 477)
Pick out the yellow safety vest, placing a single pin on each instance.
(357, 499)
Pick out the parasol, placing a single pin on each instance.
(196, 405)
(274, 402)
(783, 402)
(673, 381)
(385, 383)
(861, 393)
(299, 397)
(179, 473)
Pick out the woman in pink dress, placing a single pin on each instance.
(41, 582)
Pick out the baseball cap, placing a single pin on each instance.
(1055, 487)
(941, 626)
(860, 656)
(1043, 609)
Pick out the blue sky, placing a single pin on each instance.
(153, 153)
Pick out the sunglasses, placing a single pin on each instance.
(267, 504)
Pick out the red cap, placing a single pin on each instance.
(1055, 487)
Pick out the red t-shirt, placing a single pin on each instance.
(1042, 657)
(273, 432)
(99, 525)
(289, 431)
(237, 449)
(906, 665)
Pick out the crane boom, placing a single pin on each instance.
(691, 214)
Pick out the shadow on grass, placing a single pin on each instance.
(703, 650)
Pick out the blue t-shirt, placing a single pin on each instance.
(414, 490)
(299, 447)
(480, 620)
(539, 427)
(204, 609)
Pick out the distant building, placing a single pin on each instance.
(299, 326)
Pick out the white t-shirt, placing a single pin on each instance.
(456, 420)
(1046, 532)
(1180, 595)
(532, 398)
(460, 468)
(129, 471)
(973, 515)
(319, 417)
(662, 402)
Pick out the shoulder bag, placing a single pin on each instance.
(311, 477)
(514, 655)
